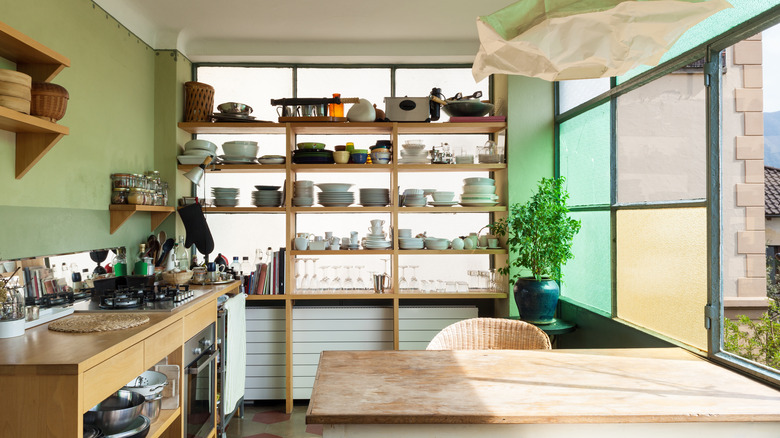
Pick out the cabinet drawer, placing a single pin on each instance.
(162, 343)
(105, 378)
(199, 318)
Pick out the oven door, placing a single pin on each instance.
(199, 395)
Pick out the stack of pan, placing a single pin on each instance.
(15, 90)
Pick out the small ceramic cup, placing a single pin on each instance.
(492, 243)
(359, 157)
(341, 157)
(405, 232)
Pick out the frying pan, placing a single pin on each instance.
(464, 107)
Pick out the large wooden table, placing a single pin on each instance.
(633, 393)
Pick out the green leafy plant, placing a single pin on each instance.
(539, 232)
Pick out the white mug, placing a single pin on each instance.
(405, 232)
(353, 237)
(375, 230)
(377, 223)
(328, 235)
(301, 243)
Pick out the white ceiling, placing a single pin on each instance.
(398, 31)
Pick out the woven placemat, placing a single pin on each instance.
(102, 322)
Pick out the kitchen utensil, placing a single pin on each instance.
(459, 96)
(91, 432)
(117, 412)
(166, 248)
(151, 407)
(197, 230)
(381, 283)
(99, 257)
(467, 108)
(148, 384)
(234, 108)
(137, 429)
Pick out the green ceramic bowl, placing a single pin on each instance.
(311, 145)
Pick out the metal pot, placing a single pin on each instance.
(151, 407)
(117, 412)
(137, 429)
(149, 384)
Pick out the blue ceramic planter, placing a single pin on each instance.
(536, 300)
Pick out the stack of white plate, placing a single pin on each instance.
(415, 198)
(413, 152)
(195, 151)
(376, 241)
(335, 195)
(370, 197)
(267, 196)
(479, 192)
(303, 193)
(411, 242)
(238, 159)
(225, 196)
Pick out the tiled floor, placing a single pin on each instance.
(268, 420)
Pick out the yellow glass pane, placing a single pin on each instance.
(662, 271)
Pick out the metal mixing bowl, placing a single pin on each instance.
(234, 108)
(467, 108)
(117, 412)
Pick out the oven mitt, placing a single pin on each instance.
(197, 230)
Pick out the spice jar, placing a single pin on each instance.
(121, 180)
(136, 196)
(119, 196)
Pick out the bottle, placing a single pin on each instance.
(120, 263)
(140, 264)
(182, 258)
(246, 267)
(258, 256)
(65, 272)
(336, 109)
(76, 279)
(269, 255)
(236, 265)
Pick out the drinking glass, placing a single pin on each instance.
(306, 280)
(299, 268)
(403, 284)
(348, 285)
(413, 282)
(324, 280)
(336, 282)
(360, 283)
(314, 281)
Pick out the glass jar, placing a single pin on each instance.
(121, 180)
(119, 196)
(12, 301)
(136, 196)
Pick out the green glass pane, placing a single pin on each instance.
(585, 156)
(713, 26)
(587, 278)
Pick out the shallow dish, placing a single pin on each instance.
(117, 412)
(268, 187)
(479, 181)
(234, 108)
(311, 145)
(334, 187)
(201, 144)
(264, 160)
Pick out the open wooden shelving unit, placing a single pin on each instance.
(292, 171)
(34, 136)
(120, 213)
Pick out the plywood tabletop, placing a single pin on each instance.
(551, 386)
(41, 350)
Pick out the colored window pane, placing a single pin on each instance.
(661, 141)
(253, 86)
(662, 271)
(587, 278)
(585, 156)
(372, 84)
(573, 93)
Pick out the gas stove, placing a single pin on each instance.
(138, 299)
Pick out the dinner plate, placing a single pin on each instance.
(271, 160)
(478, 204)
(444, 204)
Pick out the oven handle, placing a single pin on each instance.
(191, 370)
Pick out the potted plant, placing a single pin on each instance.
(539, 236)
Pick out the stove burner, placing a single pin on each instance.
(159, 297)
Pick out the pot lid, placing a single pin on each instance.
(91, 431)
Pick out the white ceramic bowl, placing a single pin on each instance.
(240, 148)
(479, 181)
(381, 160)
(413, 146)
(443, 196)
(408, 192)
(436, 243)
(479, 189)
(334, 187)
(201, 144)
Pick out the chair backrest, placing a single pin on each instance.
(490, 334)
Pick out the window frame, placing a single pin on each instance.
(713, 315)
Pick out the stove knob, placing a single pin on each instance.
(197, 351)
(206, 343)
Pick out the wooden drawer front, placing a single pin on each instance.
(105, 378)
(162, 343)
(196, 320)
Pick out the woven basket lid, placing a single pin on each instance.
(49, 89)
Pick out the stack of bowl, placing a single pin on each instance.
(15, 90)
(359, 156)
(443, 199)
(413, 152)
(411, 242)
(380, 152)
(239, 152)
(119, 414)
(374, 197)
(195, 151)
(335, 195)
(436, 243)
(267, 196)
(225, 196)
(303, 193)
(414, 198)
(479, 192)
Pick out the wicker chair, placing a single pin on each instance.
(490, 334)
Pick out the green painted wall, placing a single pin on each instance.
(531, 148)
(61, 205)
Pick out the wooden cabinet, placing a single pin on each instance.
(34, 136)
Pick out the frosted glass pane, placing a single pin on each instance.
(573, 93)
(418, 82)
(585, 156)
(587, 278)
(253, 86)
(713, 26)
(662, 271)
(372, 84)
(661, 141)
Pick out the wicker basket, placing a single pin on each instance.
(198, 102)
(49, 101)
(175, 278)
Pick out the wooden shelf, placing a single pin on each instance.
(341, 168)
(453, 209)
(34, 137)
(451, 167)
(341, 252)
(120, 213)
(233, 128)
(451, 251)
(351, 209)
(166, 418)
(239, 210)
(370, 295)
(451, 128)
(342, 128)
(362, 251)
(238, 168)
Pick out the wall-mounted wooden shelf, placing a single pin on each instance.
(120, 213)
(34, 136)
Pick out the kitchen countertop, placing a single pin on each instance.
(42, 351)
